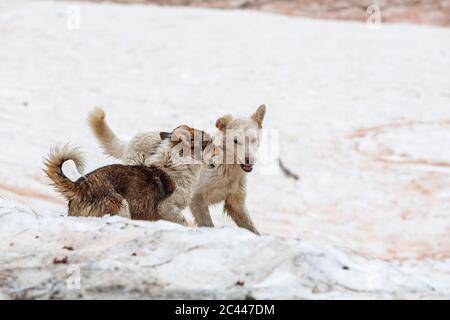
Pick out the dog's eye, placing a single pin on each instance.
(235, 141)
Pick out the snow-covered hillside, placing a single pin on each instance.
(49, 256)
(363, 116)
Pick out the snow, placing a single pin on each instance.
(120, 258)
(362, 115)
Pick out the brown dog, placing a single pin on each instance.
(129, 191)
(145, 190)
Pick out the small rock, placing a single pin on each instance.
(64, 260)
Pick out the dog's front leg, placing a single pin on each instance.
(172, 213)
(200, 211)
(236, 209)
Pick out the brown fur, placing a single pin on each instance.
(222, 122)
(129, 191)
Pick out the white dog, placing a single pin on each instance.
(225, 182)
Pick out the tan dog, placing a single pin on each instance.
(226, 182)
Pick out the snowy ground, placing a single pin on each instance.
(116, 258)
(364, 118)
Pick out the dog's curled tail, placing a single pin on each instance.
(109, 142)
(53, 168)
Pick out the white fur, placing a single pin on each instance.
(125, 210)
(183, 175)
(228, 182)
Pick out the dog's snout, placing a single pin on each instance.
(247, 160)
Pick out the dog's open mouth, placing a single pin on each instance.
(247, 167)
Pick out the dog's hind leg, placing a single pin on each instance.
(99, 205)
(113, 204)
(200, 211)
(236, 209)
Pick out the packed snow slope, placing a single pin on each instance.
(363, 116)
(58, 257)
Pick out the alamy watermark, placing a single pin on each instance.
(73, 18)
(73, 281)
(374, 19)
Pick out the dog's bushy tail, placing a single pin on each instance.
(108, 141)
(53, 168)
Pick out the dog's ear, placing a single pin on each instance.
(182, 133)
(164, 135)
(258, 116)
(223, 122)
